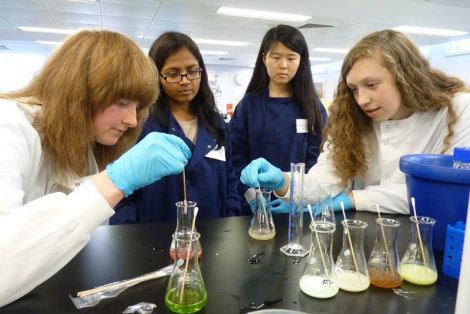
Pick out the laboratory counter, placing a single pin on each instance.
(235, 282)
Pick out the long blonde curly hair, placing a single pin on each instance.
(89, 72)
(422, 88)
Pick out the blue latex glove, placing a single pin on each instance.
(278, 206)
(260, 173)
(342, 197)
(335, 203)
(252, 204)
(155, 156)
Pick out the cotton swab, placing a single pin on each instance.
(260, 200)
(189, 251)
(413, 205)
(387, 254)
(311, 215)
(349, 236)
(318, 239)
(127, 283)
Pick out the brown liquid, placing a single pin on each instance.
(183, 254)
(384, 279)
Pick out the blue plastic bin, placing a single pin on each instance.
(440, 191)
(454, 250)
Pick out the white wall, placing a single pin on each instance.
(231, 83)
(16, 70)
(328, 75)
(455, 65)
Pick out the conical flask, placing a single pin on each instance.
(186, 292)
(322, 204)
(319, 277)
(383, 260)
(184, 220)
(262, 225)
(417, 265)
(294, 246)
(351, 264)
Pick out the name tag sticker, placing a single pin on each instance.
(301, 125)
(218, 154)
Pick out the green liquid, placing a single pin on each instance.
(193, 300)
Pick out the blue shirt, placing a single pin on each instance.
(210, 182)
(264, 126)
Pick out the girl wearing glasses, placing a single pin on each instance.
(280, 117)
(186, 108)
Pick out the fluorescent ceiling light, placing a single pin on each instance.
(319, 59)
(45, 42)
(331, 50)
(213, 52)
(46, 30)
(265, 15)
(220, 42)
(428, 31)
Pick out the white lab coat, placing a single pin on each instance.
(40, 230)
(383, 182)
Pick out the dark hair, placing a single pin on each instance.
(203, 105)
(302, 83)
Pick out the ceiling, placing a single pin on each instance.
(144, 20)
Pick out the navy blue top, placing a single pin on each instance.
(264, 126)
(211, 183)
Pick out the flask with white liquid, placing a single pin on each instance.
(351, 264)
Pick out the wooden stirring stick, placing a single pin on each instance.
(349, 236)
(318, 239)
(187, 256)
(413, 205)
(185, 201)
(127, 283)
(387, 255)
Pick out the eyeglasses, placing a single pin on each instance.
(177, 77)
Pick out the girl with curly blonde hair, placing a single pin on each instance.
(389, 102)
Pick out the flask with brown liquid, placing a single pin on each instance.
(383, 260)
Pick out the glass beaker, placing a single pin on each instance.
(319, 277)
(184, 222)
(186, 292)
(262, 225)
(383, 261)
(294, 246)
(417, 265)
(351, 264)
